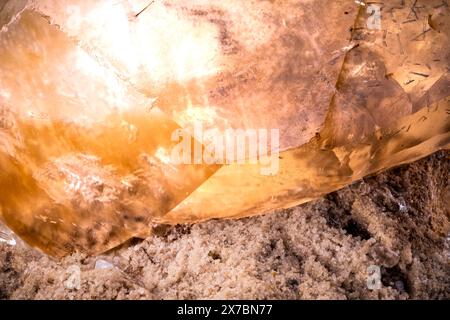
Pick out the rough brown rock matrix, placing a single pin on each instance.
(398, 220)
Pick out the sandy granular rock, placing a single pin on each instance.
(397, 220)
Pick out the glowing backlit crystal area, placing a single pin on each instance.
(91, 92)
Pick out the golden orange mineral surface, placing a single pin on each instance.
(95, 93)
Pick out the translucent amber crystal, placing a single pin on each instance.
(91, 91)
(83, 156)
(391, 106)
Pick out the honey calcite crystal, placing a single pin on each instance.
(91, 93)
(83, 156)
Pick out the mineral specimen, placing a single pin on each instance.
(92, 91)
